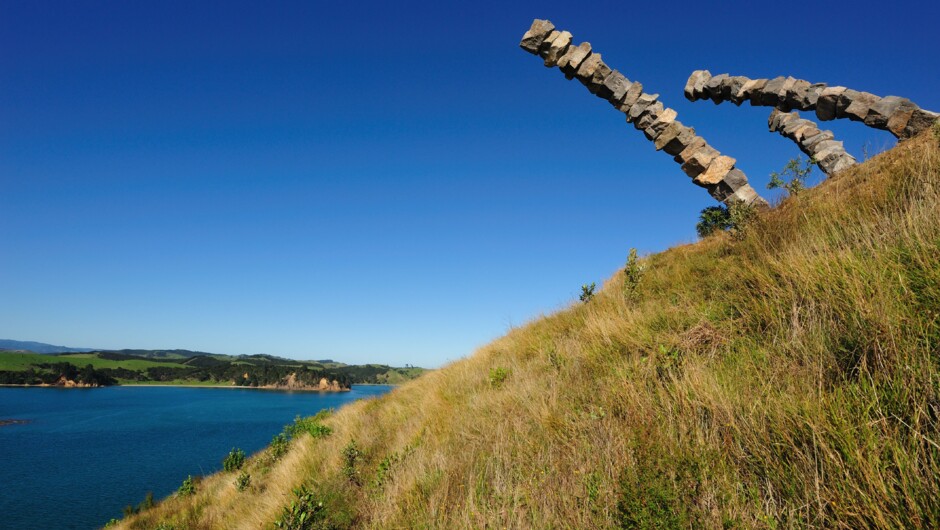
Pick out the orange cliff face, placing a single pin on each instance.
(332, 386)
(292, 382)
(68, 383)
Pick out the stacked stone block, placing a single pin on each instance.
(704, 164)
(899, 116)
(821, 146)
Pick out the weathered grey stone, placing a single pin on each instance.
(557, 48)
(880, 112)
(735, 84)
(664, 118)
(572, 59)
(587, 67)
(617, 84)
(807, 130)
(630, 98)
(694, 85)
(788, 84)
(735, 179)
(812, 96)
(720, 191)
(811, 132)
(684, 137)
(698, 161)
(747, 195)
(696, 143)
(778, 119)
(699, 87)
(645, 100)
(843, 163)
(858, 108)
(649, 115)
(547, 43)
(920, 120)
(811, 143)
(745, 92)
(726, 87)
(898, 120)
(845, 99)
(757, 91)
(770, 93)
(791, 126)
(667, 135)
(826, 104)
(825, 148)
(796, 94)
(533, 38)
(596, 84)
(716, 170)
(713, 87)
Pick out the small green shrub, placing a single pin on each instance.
(234, 461)
(243, 481)
(385, 467)
(188, 487)
(735, 219)
(303, 513)
(712, 219)
(668, 362)
(587, 292)
(793, 176)
(279, 446)
(351, 457)
(631, 276)
(742, 217)
(498, 376)
(311, 425)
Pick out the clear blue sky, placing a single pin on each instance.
(393, 182)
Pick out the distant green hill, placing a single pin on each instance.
(189, 368)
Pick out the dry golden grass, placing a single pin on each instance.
(789, 379)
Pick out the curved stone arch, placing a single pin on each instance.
(897, 115)
(704, 164)
(821, 146)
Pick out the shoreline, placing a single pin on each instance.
(276, 389)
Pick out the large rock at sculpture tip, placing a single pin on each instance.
(557, 48)
(537, 33)
(696, 83)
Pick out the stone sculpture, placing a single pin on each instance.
(704, 164)
(898, 115)
(820, 146)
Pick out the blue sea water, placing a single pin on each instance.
(86, 453)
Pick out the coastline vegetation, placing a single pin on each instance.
(781, 376)
(111, 368)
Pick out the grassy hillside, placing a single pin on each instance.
(787, 378)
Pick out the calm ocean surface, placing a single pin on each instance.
(87, 453)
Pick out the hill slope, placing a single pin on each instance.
(787, 378)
